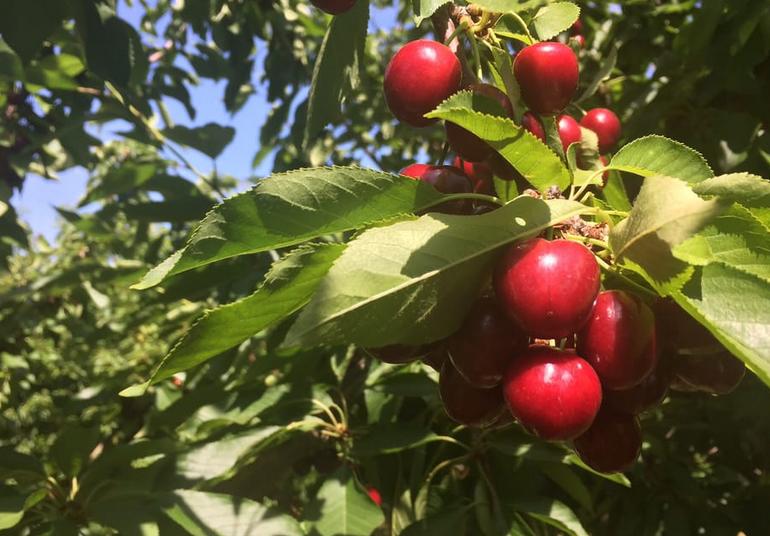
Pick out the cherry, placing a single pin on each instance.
(716, 374)
(334, 7)
(547, 73)
(645, 396)
(436, 356)
(531, 123)
(420, 76)
(445, 179)
(569, 131)
(481, 349)
(619, 339)
(468, 145)
(479, 173)
(580, 40)
(465, 403)
(612, 443)
(547, 288)
(576, 28)
(554, 394)
(398, 354)
(606, 125)
(374, 495)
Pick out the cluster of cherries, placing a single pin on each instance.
(613, 362)
(613, 357)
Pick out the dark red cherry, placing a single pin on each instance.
(445, 179)
(716, 374)
(467, 145)
(398, 354)
(479, 173)
(436, 356)
(420, 76)
(619, 339)
(334, 7)
(576, 28)
(606, 125)
(547, 288)
(482, 348)
(547, 73)
(465, 403)
(569, 131)
(645, 396)
(552, 393)
(612, 443)
(531, 122)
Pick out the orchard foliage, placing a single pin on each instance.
(248, 335)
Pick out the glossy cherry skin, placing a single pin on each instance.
(465, 403)
(645, 396)
(334, 7)
(613, 442)
(421, 75)
(547, 288)
(398, 354)
(619, 339)
(569, 131)
(531, 123)
(547, 73)
(554, 394)
(445, 179)
(606, 125)
(484, 345)
(479, 173)
(716, 374)
(464, 143)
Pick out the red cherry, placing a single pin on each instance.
(436, 357)
(716, 374)
(445, 179)
(334, 7)
(619, 339)
(569, 131)
(553, 394)
(606, 125)
(548, 76)
(645, 396)
(420, 76)
(465, 403)
(374, 495)
(479, 173)
(398, 354)
(547, 288)
(468, 145)
(612, 443)
(531, 123)
(576, 28)
(482, 348)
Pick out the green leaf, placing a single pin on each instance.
(507, 25)
(566, 479)
(55, 72)
(120, 180)
(131, 513)
(741, 187)
(20, 467)
(735, 239)
(553, 19)
(425, 8)
(536, 162)
(656, 155)
(387, 438)
(554, 513)
(614, 192)
(287, 287)
(735, 307)
(11, 68)
(617, 478)
(608, 64)
(291, 208)
(342, 507)
(210, 139)
(202, 513)
(442, 523)
(72, 447)
(217, 458)
(508, 6)
(11, 507)
(666, 213)
(25, 24)
(337, 64)
(419, 274)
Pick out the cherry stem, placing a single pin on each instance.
(459, 29)
(597, 173)
(444, 153)
(476, 55)
(523, 25)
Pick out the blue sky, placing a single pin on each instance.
(37, 201)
